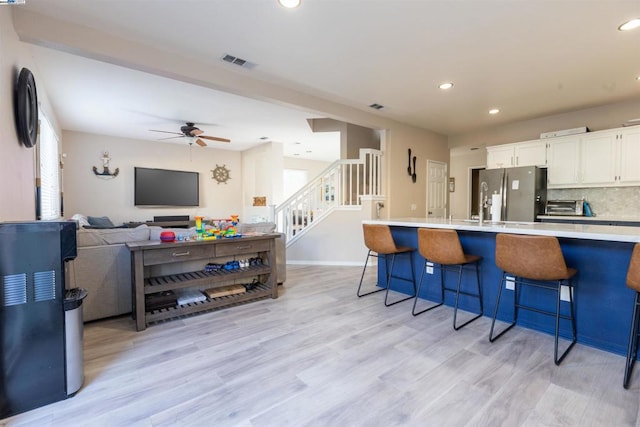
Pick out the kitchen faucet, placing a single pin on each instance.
(484, 189)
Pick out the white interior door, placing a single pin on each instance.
(436, 189)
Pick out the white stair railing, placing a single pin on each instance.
(340, 185)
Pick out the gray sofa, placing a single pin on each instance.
(103, 265)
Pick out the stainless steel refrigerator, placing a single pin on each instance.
(520, 193)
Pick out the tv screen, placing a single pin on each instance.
(162, 187)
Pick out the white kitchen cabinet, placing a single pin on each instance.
(529, 153)
(607, 158)
(629, 143)
(598, 154)
(500, 156)
(563, 155)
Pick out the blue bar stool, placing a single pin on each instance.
(534, 261)
(633, 282)
(379, 241)
(443, 249)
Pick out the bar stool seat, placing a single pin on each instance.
(380, 243)
(534, 261)
(443, 249)
(633, 282)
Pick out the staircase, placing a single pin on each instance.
(340, 186)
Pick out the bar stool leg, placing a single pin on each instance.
(455, 310)
(390, 274)
(415, 301)
(492, 338)
(632, 350)
(573, 325)
(362, 278)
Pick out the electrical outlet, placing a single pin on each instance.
(509, 283)
(564, 293)
(429, 268)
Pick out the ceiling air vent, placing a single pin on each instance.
(238, 61)
(376, 106)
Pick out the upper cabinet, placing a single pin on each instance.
(605, 158)
(629, 142)
(563, 155)
(529, 153)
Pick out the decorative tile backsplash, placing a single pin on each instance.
(618, 202)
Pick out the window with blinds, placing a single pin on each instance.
(49, 171)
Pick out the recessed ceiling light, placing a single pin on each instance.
(445, 86)
(494, 111)
(630, 25)
(290, 4)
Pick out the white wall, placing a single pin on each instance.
(313, 167)
(262, 173)
(88, 194)
(17, 163)
(336, 240)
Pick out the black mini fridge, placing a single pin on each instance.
(32, 316)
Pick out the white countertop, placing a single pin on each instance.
(590, 218)
(572, 231)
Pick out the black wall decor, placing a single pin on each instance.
(26, 108)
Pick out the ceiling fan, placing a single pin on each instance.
(191, 131)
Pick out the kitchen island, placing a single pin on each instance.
(600, 253)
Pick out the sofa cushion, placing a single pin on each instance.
(88, 237)
(258, 227)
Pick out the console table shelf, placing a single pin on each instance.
(259, 292)
(173, 258)
(200, 278)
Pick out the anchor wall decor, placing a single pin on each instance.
(105, 167)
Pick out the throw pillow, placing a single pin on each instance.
(100, 222)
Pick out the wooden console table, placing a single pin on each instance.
(149, 255)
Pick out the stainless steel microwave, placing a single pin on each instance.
(564, 207)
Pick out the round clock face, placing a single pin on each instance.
(221, 174)
(27, 108)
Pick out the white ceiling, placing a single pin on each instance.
(529, 58)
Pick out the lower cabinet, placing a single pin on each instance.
(180, 278)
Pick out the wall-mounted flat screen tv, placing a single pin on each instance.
(162, 187)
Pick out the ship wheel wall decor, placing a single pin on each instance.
(220, 174)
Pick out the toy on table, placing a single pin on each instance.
(199, 228)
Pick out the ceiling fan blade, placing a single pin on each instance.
(164, 131)
(201, 143)
(215, 138)
(171, 137)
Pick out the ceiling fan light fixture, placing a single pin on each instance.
(630, 25)
(290, 4)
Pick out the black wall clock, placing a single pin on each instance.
(26, 106)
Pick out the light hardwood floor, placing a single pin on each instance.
(320, 356)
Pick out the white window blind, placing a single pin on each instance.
(49, 171)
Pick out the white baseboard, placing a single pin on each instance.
(333, 263)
